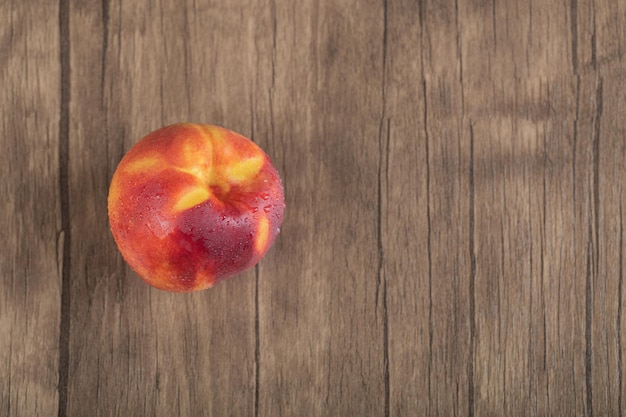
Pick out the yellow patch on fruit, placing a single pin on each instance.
(244, 170)
(144, 164)
(262, 234)
(192, 198)
(114, 194)
(196, 153)
(202, 175)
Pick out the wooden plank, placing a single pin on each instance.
(427, 202)
(405, 213)
(556, 296)
(321, 302)
(607, 297)
(524, 218)
(529, 289)
(135, 350)
(32, 246)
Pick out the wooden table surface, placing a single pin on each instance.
(453, 241)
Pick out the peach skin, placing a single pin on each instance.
(191, 205)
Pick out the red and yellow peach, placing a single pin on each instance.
(191, 205)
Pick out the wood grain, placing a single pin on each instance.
(33, 240)
(454, 238)
(321, 317)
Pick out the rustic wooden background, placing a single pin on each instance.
(454, 235)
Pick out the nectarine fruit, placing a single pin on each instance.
(190, 205)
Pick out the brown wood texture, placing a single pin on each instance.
(33, 239)
(453, 241)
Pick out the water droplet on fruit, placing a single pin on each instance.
(265, 196)
(278, 230)
(254, 209)
(267, 208)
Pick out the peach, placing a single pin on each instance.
(191, 205)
